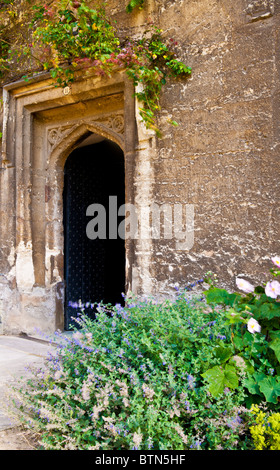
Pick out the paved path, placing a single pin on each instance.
(16, 354)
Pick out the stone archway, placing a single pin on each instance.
(42, 126)
(37, 120)
(64, 140)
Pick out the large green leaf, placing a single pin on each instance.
(269, 310)
(215, 379)
(263, 308)
(270, 387)
(259, 383)
(275, 343)
(253, 381)
(223, 353)
(231, 377)
(218, 378)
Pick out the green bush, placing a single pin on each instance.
(182, 374)
(253, 318)
(134, 379)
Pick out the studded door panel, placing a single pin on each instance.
(94, 269)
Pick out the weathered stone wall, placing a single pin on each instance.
(224, 156)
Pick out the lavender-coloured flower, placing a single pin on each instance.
(74, 304)
(234, 422)
(222, 337)
(191, 381)
(150, 443)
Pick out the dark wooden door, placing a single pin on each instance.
(94, 269)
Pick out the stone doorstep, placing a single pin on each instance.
(16, 354)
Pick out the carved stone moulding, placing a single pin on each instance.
(106, 125)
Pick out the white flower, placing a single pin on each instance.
(253, 326)
(272, 289)
(244, 285)
(276, 260)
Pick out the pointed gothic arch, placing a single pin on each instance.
(68, 140)
(42, 126)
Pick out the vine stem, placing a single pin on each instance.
(252, 346)
(231, 334)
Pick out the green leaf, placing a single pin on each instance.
(238, 342)
(253, 381)
(270, 387)
(133, 4)
(275, 343)
(231, 377)
(223, 353)
(233, 317)
(219, 378)
(215, 378)
(264, 308)
(220, 296)
(269, 310)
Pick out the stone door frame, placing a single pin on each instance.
(42, 125)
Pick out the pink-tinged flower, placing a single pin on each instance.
(276, 260)
(245, 286)
(253, 326)
(272, 289)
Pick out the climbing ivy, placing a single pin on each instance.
(4, 47)
(70, 36)
(4, 44)
(133, 4)
(16, 55)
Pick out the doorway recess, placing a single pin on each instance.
(94, 268)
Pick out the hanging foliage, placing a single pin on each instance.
(71, 36)
(133, 4)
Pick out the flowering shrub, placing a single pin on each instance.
(133, 379)
(182, 374)
(70, 36)
(66, 37)
(255, 334)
